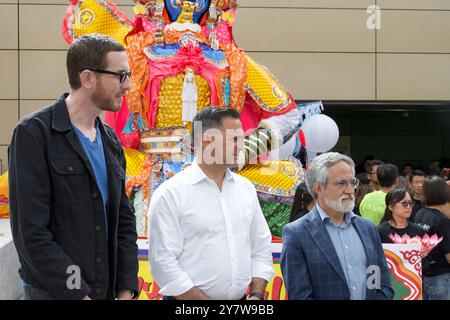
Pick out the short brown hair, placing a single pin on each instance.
(435, 191)
(89, 52)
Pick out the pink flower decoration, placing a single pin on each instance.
(427, 243)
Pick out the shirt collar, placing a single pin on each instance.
(61, 122)
(60, 115)
(348, 217)
(197, 174)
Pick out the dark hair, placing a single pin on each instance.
(387, 175)
(302, 200)
(408, 164)
(393, 197)
(417, 173)
(211, 117)
(363, 179)
(435, 191)
(372, 164)
(360, 193)
(89, 52)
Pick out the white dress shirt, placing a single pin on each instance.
(201, 236)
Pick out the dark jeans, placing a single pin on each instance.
(437, 287)
(32, 293)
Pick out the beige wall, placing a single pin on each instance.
(319, 49)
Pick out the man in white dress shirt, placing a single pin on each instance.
(208, 236)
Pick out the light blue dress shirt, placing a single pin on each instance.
(350, 251)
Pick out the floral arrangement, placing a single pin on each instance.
(427, 243)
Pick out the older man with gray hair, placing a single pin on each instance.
(331, 253)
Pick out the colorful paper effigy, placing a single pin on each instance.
(4, 196)
(169, 43)
(183, 57)
(275, 182)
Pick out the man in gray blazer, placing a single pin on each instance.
(331, 253)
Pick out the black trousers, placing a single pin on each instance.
(32, 293)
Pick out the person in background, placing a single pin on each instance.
(361, 192)
(363, 179)
(407, 169)
(373, 205)
(403, 182)
(303, 202)
(397, 216)
(434, 218)
(372, 173)
(434, 168)
(416, 179)
(445, 165)
(362, 166)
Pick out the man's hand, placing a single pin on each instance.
(87, 298)
(257, 285)
(125, 295)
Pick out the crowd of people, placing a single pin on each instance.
(414, 203)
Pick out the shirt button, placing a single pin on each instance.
(349, 267)
(70, 169)
(346, 247)
(97, 228)
(94, 195)
(354, 288)
(99, 260)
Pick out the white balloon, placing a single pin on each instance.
(321, 133)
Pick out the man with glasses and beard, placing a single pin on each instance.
(331, 253)
(71, 220)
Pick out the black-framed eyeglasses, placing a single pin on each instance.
(122, 75)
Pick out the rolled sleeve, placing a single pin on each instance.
(262, 270)
(177, 286)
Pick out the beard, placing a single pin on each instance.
(339, 206)
(106, 102)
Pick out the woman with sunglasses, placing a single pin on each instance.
(396, 217)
